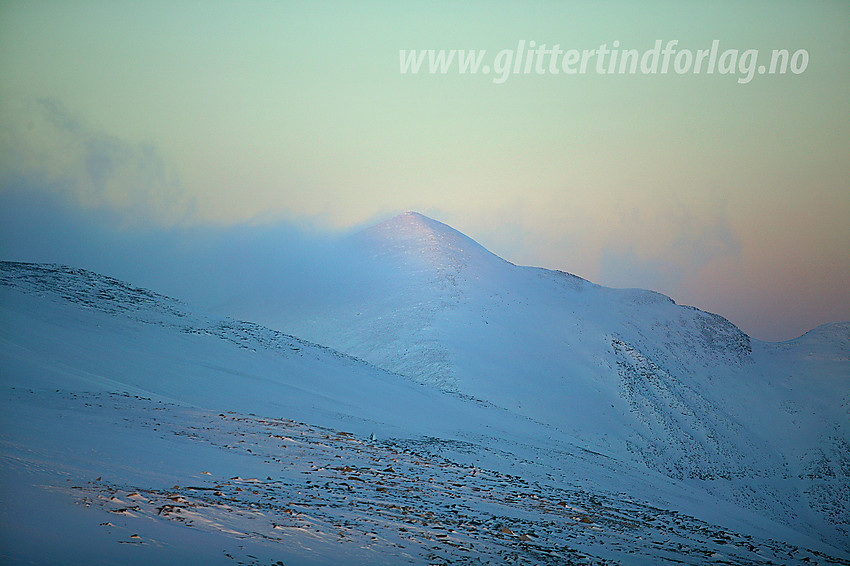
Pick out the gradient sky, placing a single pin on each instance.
(734, 198)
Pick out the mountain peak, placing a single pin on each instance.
(414, 235)
(414, 214)
(412, 220)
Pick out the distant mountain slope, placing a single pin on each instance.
(627, 371)
(71, 328)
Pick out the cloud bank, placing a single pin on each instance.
(43, 147)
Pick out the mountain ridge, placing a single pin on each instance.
(409, 228)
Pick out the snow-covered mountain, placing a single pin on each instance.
(445, 406)
(137, 430)
(628, 372)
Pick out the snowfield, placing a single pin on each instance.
(446, 407)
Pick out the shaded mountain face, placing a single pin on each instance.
(628, 372)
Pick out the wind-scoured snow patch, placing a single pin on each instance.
(282, 490)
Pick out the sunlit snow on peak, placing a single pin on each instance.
(415, 239)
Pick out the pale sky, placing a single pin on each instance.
(731, 197)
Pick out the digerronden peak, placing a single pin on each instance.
(413, 224)
(412, 231)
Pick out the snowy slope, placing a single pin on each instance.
(137, 430)
(628, 372)
(62, 327)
